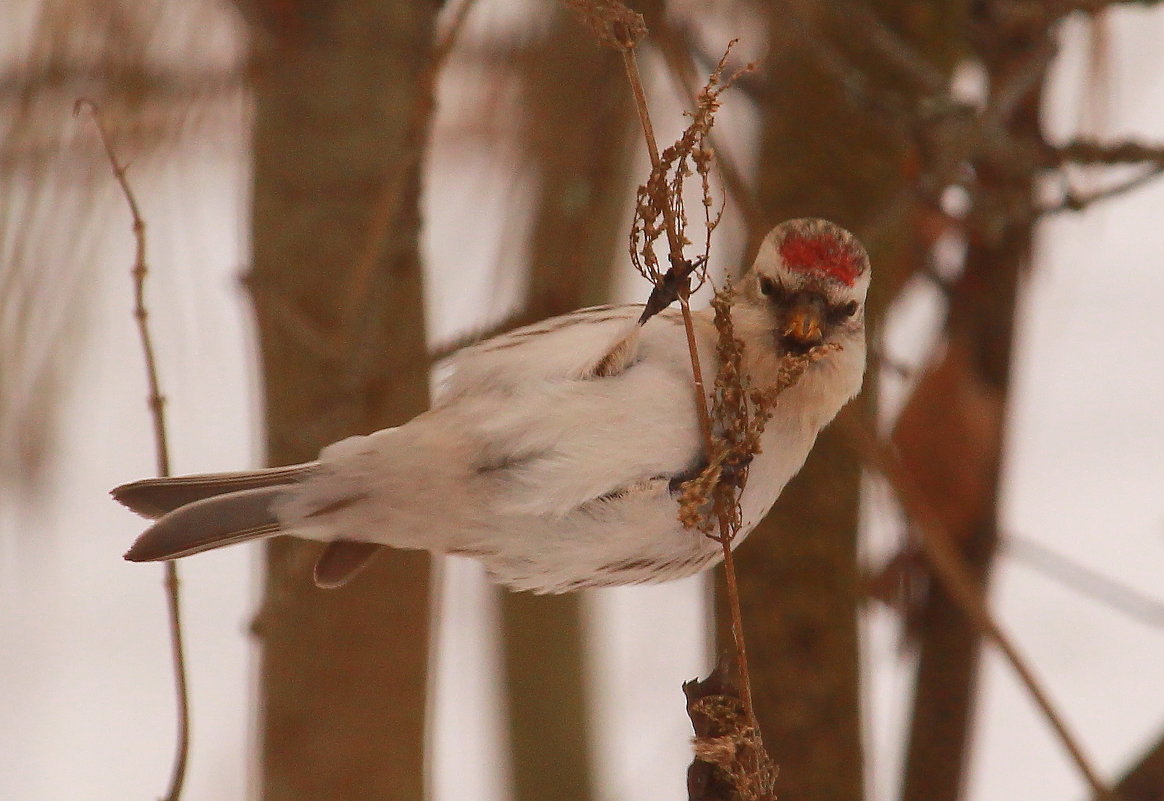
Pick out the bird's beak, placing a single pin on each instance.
(804, 321)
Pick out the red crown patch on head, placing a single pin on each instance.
(823, 253)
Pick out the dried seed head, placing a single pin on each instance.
(739, 414)
(662, 195)
(614, 24)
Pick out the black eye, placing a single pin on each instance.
(768, 286)
(848, 309)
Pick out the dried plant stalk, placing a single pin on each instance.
(740, 413)
(710, 501)
(157, 405)
(730, 761)
(615, 25)
(659, 203)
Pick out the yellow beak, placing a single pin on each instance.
(804, 324)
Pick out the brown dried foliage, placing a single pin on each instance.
(727, 734)
(739, 414)
(659, 202)
(730, 761)
(615, 25)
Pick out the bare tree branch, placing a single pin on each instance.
(157, 405)
(943, 557)
(1082, 579)
(1087, 152)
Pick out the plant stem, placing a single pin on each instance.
(733, 599)
(725, 536)
(630, 61)
(696, 370)
(676, 256)
(157, 406)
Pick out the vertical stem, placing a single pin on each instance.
(157, 406)
(178, 658)
(676, 254)
(631, 63)
(733, 599)
(696, 370)
(725, 536)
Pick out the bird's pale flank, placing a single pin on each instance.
(555, 452)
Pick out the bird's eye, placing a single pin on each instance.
(849, 309)
(768, 286)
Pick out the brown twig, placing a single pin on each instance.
(620, 28)
(630, 62)
(696, 370)
(1088, 152)
(675, 239)
(1073, 201)
(947, 565)
(672, 42)
(157, 404)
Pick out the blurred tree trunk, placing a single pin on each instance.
(1144, 781)
(956, 455)
(829, 151)
(343, 671)
(582, 161)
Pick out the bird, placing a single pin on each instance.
(555, 453)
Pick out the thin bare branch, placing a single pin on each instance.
(1084, 580)
(662, 198)
(674, 43)
(1088, 152)
(1078, 202)
(671, 224)
(947, 566)
(159, 84)
(157, 404)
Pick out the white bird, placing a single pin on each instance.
(555, 452)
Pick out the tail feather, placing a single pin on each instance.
(207, 524)
(156, 497)
(343, 559)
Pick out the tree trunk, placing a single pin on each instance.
(582, 160)
(342, 672)
(1144, 781)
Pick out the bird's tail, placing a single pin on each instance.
(199, 513)
(155, 497)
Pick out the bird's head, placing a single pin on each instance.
(808, 285)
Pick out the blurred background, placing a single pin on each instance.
(337, 193)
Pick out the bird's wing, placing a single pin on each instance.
(580, 408)
(598, 341)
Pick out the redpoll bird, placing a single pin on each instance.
(555, 452)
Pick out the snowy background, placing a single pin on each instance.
(86, 704)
